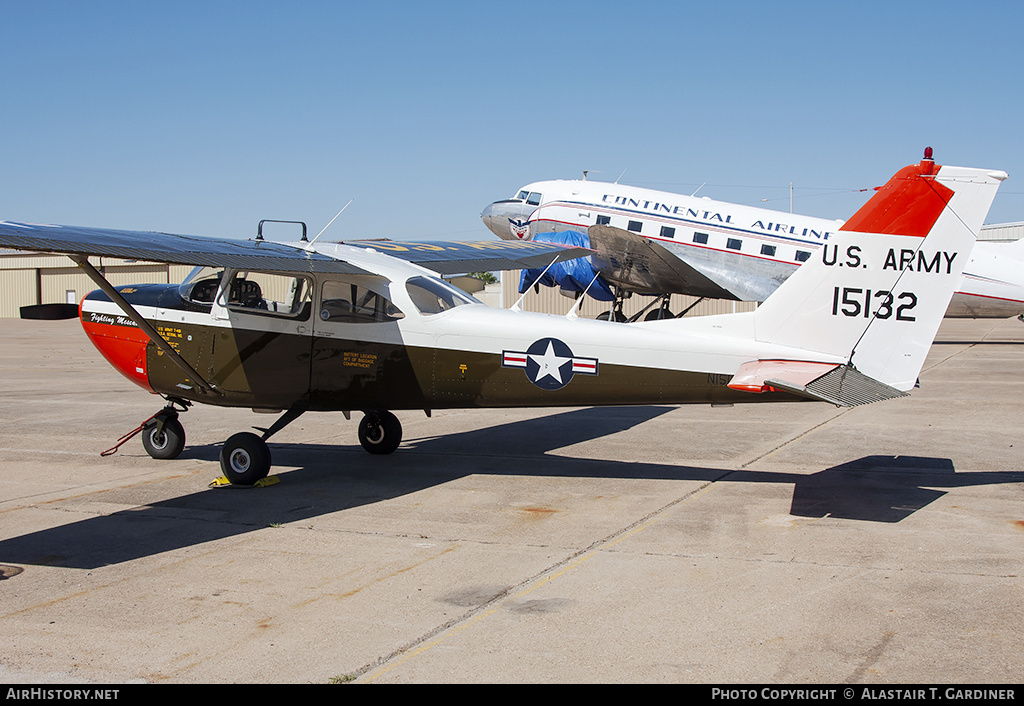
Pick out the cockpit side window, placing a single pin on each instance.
(269, 293)
(534, 198)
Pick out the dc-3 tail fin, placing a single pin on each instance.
(877, 291)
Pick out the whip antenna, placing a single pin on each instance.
(331, 221)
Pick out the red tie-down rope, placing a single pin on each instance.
(124, 439)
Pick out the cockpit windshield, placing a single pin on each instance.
(201, 284)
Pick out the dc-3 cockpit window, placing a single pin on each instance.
(351, 303)
(531, 197)
(261, 292)
(432, 296)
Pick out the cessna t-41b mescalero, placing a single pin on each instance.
(371, 327)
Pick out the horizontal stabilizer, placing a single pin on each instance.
(49, 312)
(841, 385)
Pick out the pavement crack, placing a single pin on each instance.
(523, 587)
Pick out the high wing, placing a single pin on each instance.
(448, 257)
(444, 257)
(261, 255)
(255, 255)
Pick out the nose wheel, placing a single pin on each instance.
(164, 437)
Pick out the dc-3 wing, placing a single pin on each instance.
(636, 263)
(444, 257)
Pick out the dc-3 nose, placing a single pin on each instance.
(508, 219)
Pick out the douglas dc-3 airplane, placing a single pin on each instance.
(653, 242)
(370, 326)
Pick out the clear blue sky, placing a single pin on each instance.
(205, 117)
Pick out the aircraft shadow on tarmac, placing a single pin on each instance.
(328, 479)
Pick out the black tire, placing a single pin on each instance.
(658, 314)
(611, 316)
(380, 432)
(245, 459)
(164, 442)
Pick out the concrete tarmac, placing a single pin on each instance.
(796, 543)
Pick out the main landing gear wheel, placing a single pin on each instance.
(164, 440)
(380, 432)
(245, 459)
(659, 314)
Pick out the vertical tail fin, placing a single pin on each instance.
(876, 292)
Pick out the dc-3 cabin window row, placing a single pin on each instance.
(352, 300)
(669, 232)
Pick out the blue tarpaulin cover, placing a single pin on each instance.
(571, 275)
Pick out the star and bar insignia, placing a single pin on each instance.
(549, 363)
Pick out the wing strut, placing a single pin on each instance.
(115, 296)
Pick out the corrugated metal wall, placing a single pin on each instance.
(28, 278)
(17, 289)
(1002, 231)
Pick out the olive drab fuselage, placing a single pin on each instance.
(257, 359)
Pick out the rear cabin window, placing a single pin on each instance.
(351, 303)
(768, 250)
(701, 238)
(734, 243)
(668, 232)
(802, 255)
(635, 226)
(432, 296)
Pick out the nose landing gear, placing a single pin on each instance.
(163, 436)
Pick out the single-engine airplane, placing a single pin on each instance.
(657, 243)
(370, 326)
